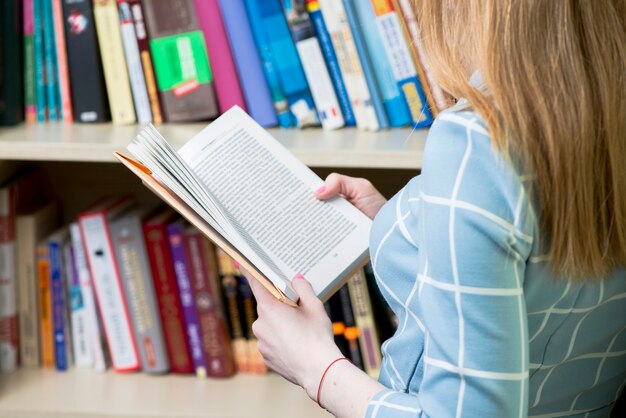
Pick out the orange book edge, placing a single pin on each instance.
(181, 207)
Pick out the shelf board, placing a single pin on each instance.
(56, 141)
(87, 394)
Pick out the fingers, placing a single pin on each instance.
(261, 294)
(305, 291)
(333, 185)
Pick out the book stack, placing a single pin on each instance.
(288, 63)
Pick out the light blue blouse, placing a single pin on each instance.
(485, 328)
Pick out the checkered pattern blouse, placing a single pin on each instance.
(485, 329)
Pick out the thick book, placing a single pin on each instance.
(204, 284)
(313, 64)
(89, 96)
(181, 63)
(30, 228)
(255, 89)
(351, 330)
(132, 258)
(28, 29)
(180, 260)
(46, 330)
(11, 73)
(254, 199)
(227, 85)
(164, 277)
(63, 75)
(55, 242)
(105, 273)
(326, 44)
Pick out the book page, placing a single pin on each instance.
(267, 194)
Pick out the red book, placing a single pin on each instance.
(204, 284)
(164, 277)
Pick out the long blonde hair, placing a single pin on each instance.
(555, 96)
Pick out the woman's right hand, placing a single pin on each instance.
(358, 191)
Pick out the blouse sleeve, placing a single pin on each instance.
(473, 244)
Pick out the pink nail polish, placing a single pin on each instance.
(320, 190)
(298, 276)
(237, 266)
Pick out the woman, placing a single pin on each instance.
(504, 260)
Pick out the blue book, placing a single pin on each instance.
(57, 291)
(287, 62)
(251, 76)
(40, 87)
(50, 58)
(332, 63)
(397, 109)
(366, 63)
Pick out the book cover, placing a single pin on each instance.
(28, 29)
(214, 331)
(227, 85)
(132, 257)
(57, 291)
(63, 75)
(287, 62)
(326, 44)
(366, 63)
(402, 65)
(114, 62)
(270, 69)
(369, 341)
(11, 72)
(77, 324)
(93, 326)
(164, 277)
(228, 280)
(313, 64)
(343, 41)
(87, 87)
(249, 315)
(351, 330)
(105, 273)
(30, 228)
(396, 106)
(133, 63)
(190, 314)
(181, 64)
(8, 302)
(255, 88)
(40, 69)
(50, 57)
(46, 330)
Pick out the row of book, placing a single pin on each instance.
(138, 288)
(287, 62)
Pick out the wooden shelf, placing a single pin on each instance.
(394, 148)
(87, 394)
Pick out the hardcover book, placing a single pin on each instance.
(248, 310)
(40, 69)
(46, 330)
(11, 72)
(351, 330)
(28, 29)
(50, 63)
(55, 243)
(77, 315)
(181, 64)
(65, 103)
(254, 199)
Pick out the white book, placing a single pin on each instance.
(255, 200)
(80, 344)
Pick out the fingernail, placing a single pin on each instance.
(321, 190)
(237, 266)
(298, 276)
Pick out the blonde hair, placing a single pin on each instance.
(555, 96)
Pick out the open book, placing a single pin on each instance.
(254, 199)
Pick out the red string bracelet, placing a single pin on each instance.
(319, 387)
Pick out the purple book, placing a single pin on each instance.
(190, 315)
(248, 62)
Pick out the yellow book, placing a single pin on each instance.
(114, 62)
(45, 306)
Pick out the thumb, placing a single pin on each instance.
(304, 290)
(333, 185)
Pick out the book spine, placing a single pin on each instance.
(255, 88)
(192, 323)
(351, 331)
(440, 99)
(369, 340)
(131, 256)
(314, 65)
(113, 61)
(170, 309)
(133, 61)
(333, 310)
(50, 58)
(108, 289)
(255, 360)
(30, 103)
(397, 109)
(366, 63)
(227, 86)
(229, 290)
(28, 303)
(11, 88)
(45, 307)
(215, 339)
(8, 302)
(81, 347)
(58, 305)
(291, 75)
(92, 324)
(404, 70)
(38, 49)
(332, 63)
(347, 55)
(279, 100)
(61, 54)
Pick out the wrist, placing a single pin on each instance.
(317, 367)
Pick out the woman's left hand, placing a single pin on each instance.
(295, 342)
